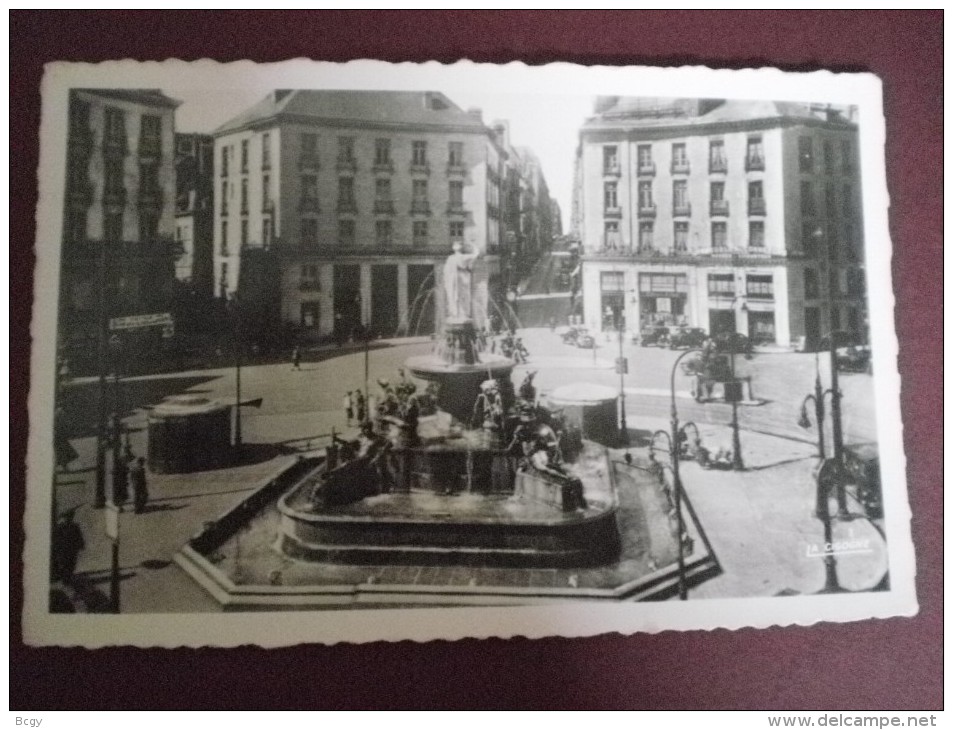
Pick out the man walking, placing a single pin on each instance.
(66, 546)
(296, 358)
(349, 408)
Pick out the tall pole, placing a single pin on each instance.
(622, 365)
(736, 461)
(674, 446)
(837, 431)
(238, 373)
(819, 408)
(99, 499)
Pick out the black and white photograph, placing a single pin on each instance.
(424, 351)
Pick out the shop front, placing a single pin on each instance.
(662, 299)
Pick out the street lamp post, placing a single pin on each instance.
(622, 367)
(237, 337)
(817, 398)
(736, 461)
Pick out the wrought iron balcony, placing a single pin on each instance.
(309, 285)
(384, 207)
(681, 167)
(150, 147)
(150, 198)
(754, 162)
(756, 206)
(422, 168)
(115, 197)
(384, 167)
(612, 211)
(420, 207)
(612, 170)
(719, 207)
(718, 165)
(347, 206)
(347, 164)
(646, 169)
(456, 168)
(647, 210)
(682, 209)
(456, 208)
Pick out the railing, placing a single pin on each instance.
(115, 146)
(307, 205)
(150, 198)
(680, 167)
(115, 197)
(347, 163)
(420, 207)
(718, 166)
(719, 207)
(756, 206)
(612, 170)
(612, 211)
(309, 285)
(647, 210)
(308, 161)
(754, 162)
(456, 168)
(421, 168)
(384, 207)
(682, 209)
(387, 166)
(456, 208)
(646, 169)
(347, 206)
(150, 147)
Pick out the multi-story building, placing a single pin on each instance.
(194, 154)
(727, 215)
(119, 216)
(360, 195)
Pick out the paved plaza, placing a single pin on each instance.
(760, 521)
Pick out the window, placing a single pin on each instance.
(645, 195)
(148, 227)
(612, 281)
(717, 162)
(113, 174)
(421, 234)
(756, 234)
(265, 192)
(420, 189)
(150, 135)
(224, 197)
(721, 285)
(309, 186)
(719, 236)
(266, 228)
(810, 237)
(811, 284)
(681, 236)
(115, 132)
(456, 154)
(456, 230)
(224, 241)
(346, 194)
(310, 314)
(346, 232)
(382, 153)
(112, 227)
(835, 318)
(244, 232)
(266, 151)
(148, 179)
(224, 161)
(383, 233)
(847, 156)
(855, 282)
(719, 206)
(663, 283)
(849, 244)
(644, 154)
(829, 161)
(613, 241)
(611, 195)
(456, 194)
(419, 154)
(680, 196)
(382, 189)
(679, 157)
(244, 199)
(756, 198)
(848, 200)
(610, 160)
(760, 286)
(310, 277)
(830, 200)
(244, 156)
(805, 154)
(646, 234)
(833, 282)
(223, 279)
(309, 232)
(346, 149)
(754, 156)
(808, 207)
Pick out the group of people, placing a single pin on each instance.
(130, 471)
(512, 347)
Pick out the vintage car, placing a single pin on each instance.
(854, 358)
(654, 335)
(733, 343)
(585, 340)
(687, 337)
(863, 469)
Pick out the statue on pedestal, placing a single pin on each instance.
(458, 282)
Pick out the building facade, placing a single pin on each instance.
(119, 213)
(194, 179)
(360, 196)
(726, 215)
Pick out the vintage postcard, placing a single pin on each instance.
(370, 352)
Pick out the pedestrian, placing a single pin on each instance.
(296, 358)
(66, 546)
(349, 408)
(361, 405)
(140, 491)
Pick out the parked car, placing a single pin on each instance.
(572, 334)
(687, 337)
(863, 468)
(585, 340)
(654, 335)
(854, 358)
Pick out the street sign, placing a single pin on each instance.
(141, 321)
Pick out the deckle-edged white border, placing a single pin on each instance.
(568, 619)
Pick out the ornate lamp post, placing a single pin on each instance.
(737, 463)
(235, 312)
(622, 367)
(817, 398)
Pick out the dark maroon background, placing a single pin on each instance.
(888, 664)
